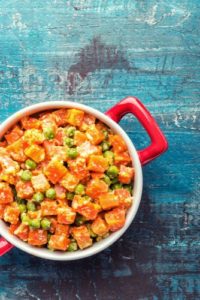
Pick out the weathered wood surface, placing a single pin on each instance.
(98, 52)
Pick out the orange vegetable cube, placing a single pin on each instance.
(87, 121)
(14, 135)
(30, 123)
(54, 224)
(78, 167)
(89, 210)
(94, 135)
(11, 214)
(82, 236)
(97, 163)
(37, 237)
(60, 192)
(79, 138)
(55, 171)
(124, 196)
(69, 181)
(75, 116)
(32, 136)
(79, 201)
(115, 218)
(9, 166)
(62, 229)
(99, 227)
(16, 150)
(60, 116)
(40, 183)
(22, 231)
(125, 174)
(59, 242)
(118, 143)
(13, 227)
(95, 187)
(2, 208)
(108, 200)
(49, 208)
(24, 189)
(35, 152)
(86, 149)
(66, 215)
(122, 158)
(97, 175)
(6, 194)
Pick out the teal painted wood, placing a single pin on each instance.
(97, 52)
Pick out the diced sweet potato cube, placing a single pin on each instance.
(82, 236)
(79, 138)
(37, 237)
(6, 194)
(118, 143)
(40, 183)
(115, 218)
(35, 152)
(59, 137)
(11, 214)
(87, 121)
(32, 136)
(62, 229)
(78, 167)
(60, 116)
(30, 123)
(22, 231)
(97, 163)
(66, 215)
(59, 242)
(14, 135)
(16, 150)
(126, 174)
(95, 175)
(2, 208)
(49, 208)
(9, 166)
(108, 200)
(99, 227)
(94, 135)
(79, 201)
(122, 158)
(124, 196)
(60, 191)
(89, 210)
(24, 189)
(55, 171)
(96, 187)
(75, 116)
(69, 181)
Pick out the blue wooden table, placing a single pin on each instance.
(97, 52)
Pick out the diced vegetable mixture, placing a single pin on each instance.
(65, 180)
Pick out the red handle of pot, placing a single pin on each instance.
(4, 246)
(158, 141)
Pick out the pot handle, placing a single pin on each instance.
(158, 141)
(4, 246)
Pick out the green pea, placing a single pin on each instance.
(51, 193)
(26, 175)
(70, 196)
(80, 220)
(105, 146)
(72, 152)
(24, 218)
(34, 223)
(70, 131)
(68, 142)
(107, 179)
(80, 189)
(109, 155)
(22, 208)
(38, 197)
(112, 172)
(31, 206)
(49, 133)
(30, 164)
(114, 180)
(45, 224)
(72, 247)
(129, 187)
(116, 186)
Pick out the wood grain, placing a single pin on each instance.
(97, 52)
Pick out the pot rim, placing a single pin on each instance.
(137, 188)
